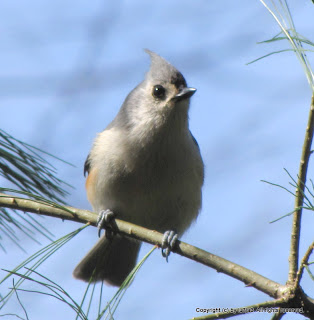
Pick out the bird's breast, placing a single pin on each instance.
(156, 186)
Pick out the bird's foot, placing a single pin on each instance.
(168, 242)
(105, 221)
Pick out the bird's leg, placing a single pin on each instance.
(104, 221)
(168, 242)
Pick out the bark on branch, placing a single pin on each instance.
(296, 223)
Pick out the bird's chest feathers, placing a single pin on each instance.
(162, 161)
(146, 165)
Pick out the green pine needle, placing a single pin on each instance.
(24, 166)
(34, 261)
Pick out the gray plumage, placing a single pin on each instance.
(146, 167)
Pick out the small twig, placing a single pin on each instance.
(296, 223)
(304, 263)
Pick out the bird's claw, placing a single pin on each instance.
(168, 242)
(104, 221)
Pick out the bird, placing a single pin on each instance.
(145, 168)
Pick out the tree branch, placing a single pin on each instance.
(296, 224)
(248, 277)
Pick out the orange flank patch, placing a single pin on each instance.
(90, 185)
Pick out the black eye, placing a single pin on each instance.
(159, 92)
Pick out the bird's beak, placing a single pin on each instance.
(184, 94)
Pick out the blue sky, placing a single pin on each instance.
(65, 69)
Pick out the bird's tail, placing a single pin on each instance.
(110, 260)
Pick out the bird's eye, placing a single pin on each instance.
(159, 92)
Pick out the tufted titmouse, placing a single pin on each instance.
(146, 168)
